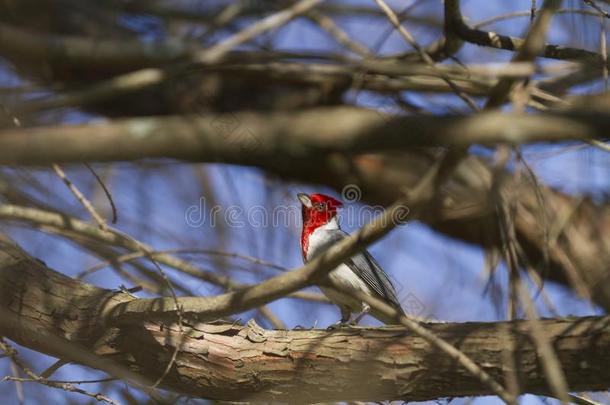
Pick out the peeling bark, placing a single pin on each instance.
(235, 362)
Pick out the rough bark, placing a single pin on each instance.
(234, 362)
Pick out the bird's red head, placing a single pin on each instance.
(317, 210)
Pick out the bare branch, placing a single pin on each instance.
(33, 377)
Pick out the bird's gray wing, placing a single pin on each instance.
(367, 268)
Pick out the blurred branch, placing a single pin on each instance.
(374, 75)
(275, 20)
(143, 76)
(406, 35)
(255, 138)
(170, 10)
(601, 145)
(77, 59)
(84, 51)
(531, 47)
(123, 55)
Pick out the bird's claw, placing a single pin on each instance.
(339, 325)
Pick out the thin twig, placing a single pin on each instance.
(517, 14)
(101, 380)
(136, 255)
(149, 253)
(80, 197)
(393, 18)
(33, 377)
(582, 400)
(18, 384)
(106, 192)
(597, 8)
(327, 24)
(550, 362)
(599, 144)
(216, 52)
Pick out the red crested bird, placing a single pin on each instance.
(361, 272)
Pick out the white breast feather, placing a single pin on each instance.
(319, 240)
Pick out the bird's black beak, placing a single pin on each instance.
(304, 199)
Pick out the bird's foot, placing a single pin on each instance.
(338, 325)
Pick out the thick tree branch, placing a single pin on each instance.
(113, 54)
(232, 362)
(254, 138)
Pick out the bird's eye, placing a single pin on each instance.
(319, 206)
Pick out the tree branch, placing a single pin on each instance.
(233, 362)
(494, 40)
(255, 138)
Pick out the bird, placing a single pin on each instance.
(320, 230)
